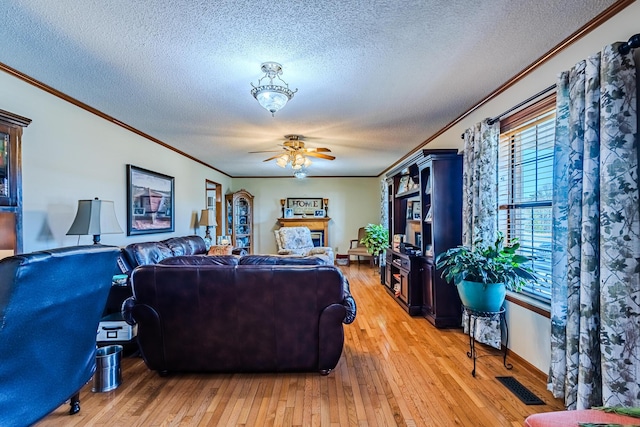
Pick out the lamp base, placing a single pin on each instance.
(207, 238)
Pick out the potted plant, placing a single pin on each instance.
(376, 239)
(482, 274)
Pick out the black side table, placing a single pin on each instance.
(472, 318)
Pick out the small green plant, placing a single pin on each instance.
(495, 263)
(376, 239)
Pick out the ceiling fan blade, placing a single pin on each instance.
(319, 150)
(320, 155)
(264, 151)
(271, 158)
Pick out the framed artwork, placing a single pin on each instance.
(416, 210)
(319, 213)
(304, 205)
(403, 185)
(288, 213)
(429, 216)
(150, 202)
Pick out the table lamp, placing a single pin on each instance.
(95, 217)
(208, 219)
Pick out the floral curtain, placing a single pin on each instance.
(384, 213)
(480, 183)
(595, 307)
(480, 206)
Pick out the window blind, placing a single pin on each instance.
(525, 185)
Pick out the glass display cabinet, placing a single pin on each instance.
(239, 212)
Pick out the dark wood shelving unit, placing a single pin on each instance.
(429, 215)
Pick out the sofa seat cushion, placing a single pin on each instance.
(573, 418)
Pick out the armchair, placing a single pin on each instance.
(298, 241)
(358, 250)
(50, 306)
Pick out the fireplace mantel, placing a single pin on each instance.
(312, 223)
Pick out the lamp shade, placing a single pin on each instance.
(208, 218)
(95, 217)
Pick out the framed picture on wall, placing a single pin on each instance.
(150, 202)
(304, 205)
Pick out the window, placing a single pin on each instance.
(525, 184)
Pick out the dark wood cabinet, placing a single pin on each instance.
(425, 208)
(403, 281)
(11, 127)
(441, 180)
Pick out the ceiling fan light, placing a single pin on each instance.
(299, 160)
(296, 167)
(282, 160)
(307, 162)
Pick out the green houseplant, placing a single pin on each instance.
(482, 274)
(376, 239)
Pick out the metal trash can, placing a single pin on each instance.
(108, 375)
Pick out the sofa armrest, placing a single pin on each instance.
(331, 337)
(126, 310)
(348, 302)
(150, 339)
(322, 250)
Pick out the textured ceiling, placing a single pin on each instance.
(376, 78)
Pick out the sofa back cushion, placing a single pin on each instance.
(146, 253)
(283, 260)
(201, 260)
(188, 245)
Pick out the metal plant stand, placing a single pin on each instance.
(472, 318)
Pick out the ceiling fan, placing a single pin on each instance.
(294, 151)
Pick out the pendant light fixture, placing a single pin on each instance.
(272, 96)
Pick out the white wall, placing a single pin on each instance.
(353, 203)
(71, 154)
(529, 332)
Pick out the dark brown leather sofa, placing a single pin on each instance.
(196, 315)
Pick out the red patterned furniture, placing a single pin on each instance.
(572, 418)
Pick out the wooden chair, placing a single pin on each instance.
(359, 250)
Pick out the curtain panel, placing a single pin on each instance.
(480, 183)
(480, 207)
(595, 306)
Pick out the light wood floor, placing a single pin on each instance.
(395, 370)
